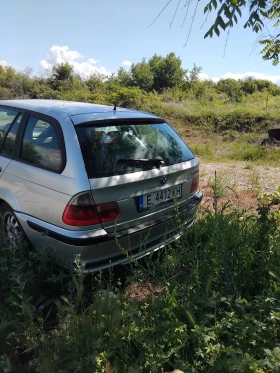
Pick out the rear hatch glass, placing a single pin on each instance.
(122, 147)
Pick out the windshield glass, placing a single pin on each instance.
(107, 150)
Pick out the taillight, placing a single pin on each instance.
(108, 211)
(195, 184)
(82, 211)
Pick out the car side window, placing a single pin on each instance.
(40, 145)
(7, 117)
(10, 141)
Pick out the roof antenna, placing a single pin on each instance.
(115, 107)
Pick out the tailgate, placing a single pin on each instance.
(142, 164)
(146, 196)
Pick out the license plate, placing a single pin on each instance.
(152, 199)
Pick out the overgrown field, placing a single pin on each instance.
(211, 303)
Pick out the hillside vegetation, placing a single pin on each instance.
(221, 121)
(160, 86)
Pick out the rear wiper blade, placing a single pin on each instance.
(158, 161)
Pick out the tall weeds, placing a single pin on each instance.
(216, 308)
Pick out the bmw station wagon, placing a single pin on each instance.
(99, 181)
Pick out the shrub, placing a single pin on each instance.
(202, 149)
(218, 184)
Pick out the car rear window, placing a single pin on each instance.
(126, 148)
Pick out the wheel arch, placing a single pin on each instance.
(6, 196)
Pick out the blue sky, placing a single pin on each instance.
(98, 35)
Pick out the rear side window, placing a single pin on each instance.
(10, 141)
(128, 148)
(6, 119)
(41, 146)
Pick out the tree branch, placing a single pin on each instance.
(187, 11)
(175, 13)
(160, 13)
(193, 17)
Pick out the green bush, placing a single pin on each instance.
(202, 149)
(248, 152)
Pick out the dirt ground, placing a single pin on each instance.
(244, 182)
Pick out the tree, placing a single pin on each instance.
(167, 71)
(232, 88)
(62, 75)
(142, 76)
(124, 77)
(159, 73)
(95, 81)
(249, 85)
(193, 75)
(227, 14)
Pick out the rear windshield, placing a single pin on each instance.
(127, 148)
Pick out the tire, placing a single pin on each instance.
(9, 224)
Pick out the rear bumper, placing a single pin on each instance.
(98, 249)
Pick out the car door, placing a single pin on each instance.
(35, 171)
(9, 125)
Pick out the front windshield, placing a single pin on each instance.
(105, 148)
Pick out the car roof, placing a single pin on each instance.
(71, 108)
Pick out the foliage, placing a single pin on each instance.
(160, 85)
(167, 72)
(216, 309)
(142, 76)
(261, 13)
(95, 82)
(219, 185)
(159, 75)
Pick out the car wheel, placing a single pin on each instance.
(9, 224)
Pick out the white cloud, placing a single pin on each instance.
(58, 55)
(236, 76)
(3, 63)
(92, 61)
(203, 76)
(272, 78)
(126, 63)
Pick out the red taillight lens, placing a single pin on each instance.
(81, 211)
(80, 215)
(108, 211)
(195, 184)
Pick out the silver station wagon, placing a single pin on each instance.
(99, 181)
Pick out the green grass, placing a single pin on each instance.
(217, 308)
(202, 150)
(223, 131)
(215, 147)
(217, 115)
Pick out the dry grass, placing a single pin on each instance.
(244, 185)
(142, 291)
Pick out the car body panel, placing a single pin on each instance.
(127, 189)
(110, 116)
(59, 108)
(4, 162)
